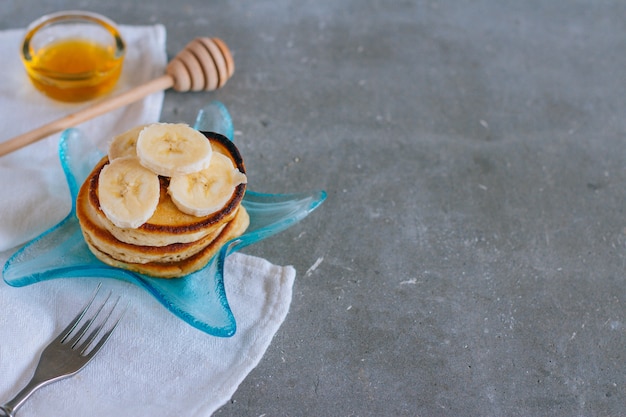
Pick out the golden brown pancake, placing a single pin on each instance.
(168, 224)
(103, 239)
(171, 243)
(186, 266)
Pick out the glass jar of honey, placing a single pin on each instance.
(73, 55)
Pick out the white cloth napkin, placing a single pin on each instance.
(155, 364)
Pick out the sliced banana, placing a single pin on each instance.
(128, 192)
(170, 149)
(125, 143)
(207, 191)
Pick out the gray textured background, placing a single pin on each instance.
(470, 257)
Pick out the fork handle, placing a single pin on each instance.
(9, 408)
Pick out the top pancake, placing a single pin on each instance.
(168, 225)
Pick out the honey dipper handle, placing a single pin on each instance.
(162, 83)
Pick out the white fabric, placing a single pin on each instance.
(155, 364)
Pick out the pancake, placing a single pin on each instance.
(187, 266)
(171, 243)
(168, 225)
(102, 238)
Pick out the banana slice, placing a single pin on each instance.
(125, 143)
(170, 149)
(207, 191)
(128, 192)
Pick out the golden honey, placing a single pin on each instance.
(74, 56)
(74, 70)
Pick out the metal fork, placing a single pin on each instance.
(68, 353)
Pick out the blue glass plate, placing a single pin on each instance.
(198, 298)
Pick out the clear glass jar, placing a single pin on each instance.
(73, 55)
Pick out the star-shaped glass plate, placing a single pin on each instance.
(198, 298)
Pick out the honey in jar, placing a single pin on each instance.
(80, 69)
(74, 56)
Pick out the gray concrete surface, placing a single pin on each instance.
(470, 258)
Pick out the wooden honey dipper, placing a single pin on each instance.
(205, 64)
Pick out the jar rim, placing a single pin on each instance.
(73, 15)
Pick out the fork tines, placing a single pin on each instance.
(78, 341)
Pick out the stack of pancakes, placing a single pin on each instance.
(171, 243)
